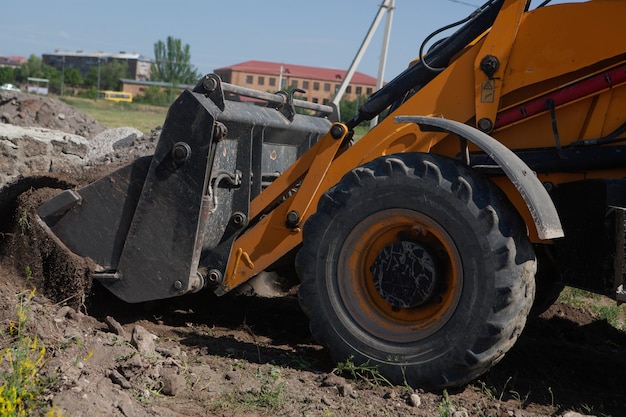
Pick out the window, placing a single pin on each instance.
(359, 91)
(249, 79)
(294, 83)
(326, 86)
(316, 86)
(315, 100)
(272, 81)
(261, 80)
(349, 89)
(305, 85)
(368, 91)
(326, 101)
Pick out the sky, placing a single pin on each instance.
(323, 33)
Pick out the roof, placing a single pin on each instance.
(300, 71)
(100, 54)
(12, 60)
(156, 83)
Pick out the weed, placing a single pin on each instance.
(21, 387)
(363, 372)
(23, 222)
(271, 392)
(269, 396)
(28, 273)
(446, 408)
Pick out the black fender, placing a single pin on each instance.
(539, 202)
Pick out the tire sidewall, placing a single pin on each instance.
(438, 355)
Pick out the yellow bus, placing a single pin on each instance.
(116, 96)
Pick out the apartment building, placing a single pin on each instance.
(138, 65)
(319, 84)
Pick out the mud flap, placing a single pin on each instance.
(535, 196)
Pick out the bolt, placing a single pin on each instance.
(219, 131)
(485, 125)
(209, 83)
(293, 218)
(489, 65)
(178, 285)
(214, 276)
(181, 152)
(337, 131)
(238, 219)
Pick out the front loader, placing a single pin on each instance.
(495, 177)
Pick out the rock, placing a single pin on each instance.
(173, 383)
(415, 400)
(119, 379)
(173, 352)
(29, 151)
(108, 142)
(143, 340)
(22, 109)
(124, 403)
(115, 327)
(67, 312)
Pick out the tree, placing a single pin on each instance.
(349, 108)
(172, 63)
(110, 74)
(154, 96)
(7, 75)
(35, 68)
(72, 76)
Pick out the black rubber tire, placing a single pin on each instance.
(485, 287)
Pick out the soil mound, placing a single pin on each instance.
(27, 110)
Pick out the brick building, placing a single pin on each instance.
(138, 65)
(12, 61)
(320, 84)
(137, 87)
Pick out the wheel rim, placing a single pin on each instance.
(387, 305)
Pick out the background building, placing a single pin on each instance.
(320, 84)
(12, 61)
(138, 65)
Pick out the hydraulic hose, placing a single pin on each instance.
(418, 75)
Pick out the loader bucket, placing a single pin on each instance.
(147, 225)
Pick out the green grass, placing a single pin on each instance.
(269, 396)
(600, 306)
(112, 115)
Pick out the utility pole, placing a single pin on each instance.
(62, 74)
(388, 6)
(383, 54)
(98, 90)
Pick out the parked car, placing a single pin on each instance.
(9, 87)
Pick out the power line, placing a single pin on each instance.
(465, 3)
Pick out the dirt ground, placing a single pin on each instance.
(244, 356)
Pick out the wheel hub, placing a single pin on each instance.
(404, 274)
